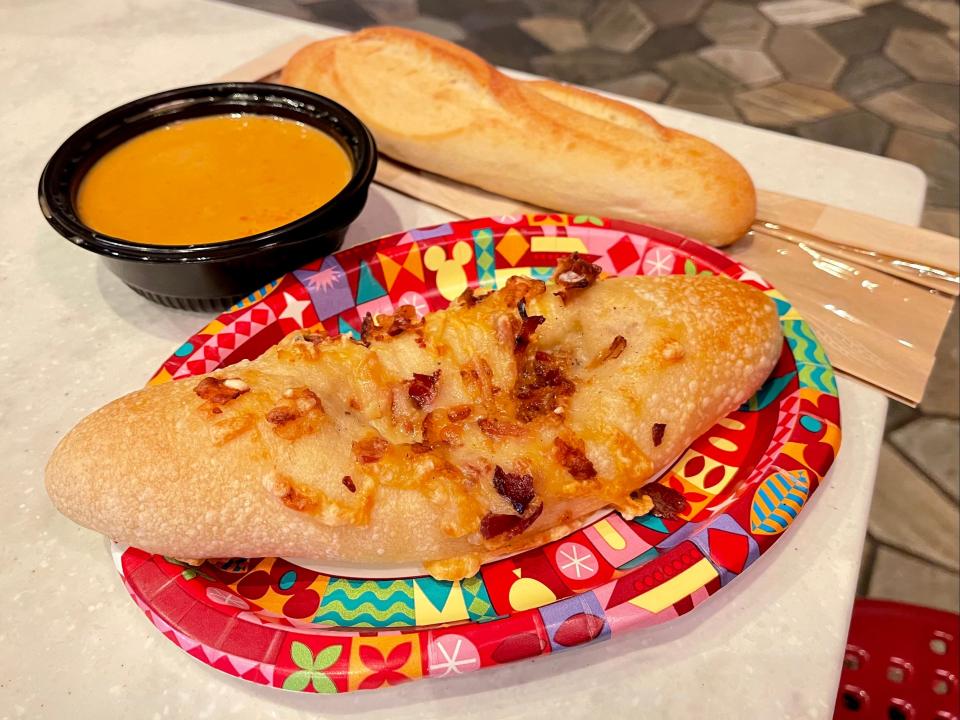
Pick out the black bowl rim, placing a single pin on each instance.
(86, 237)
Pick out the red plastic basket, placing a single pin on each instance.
(901, 663)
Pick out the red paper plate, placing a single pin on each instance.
(277, 622)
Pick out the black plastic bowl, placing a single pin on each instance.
(210, 276)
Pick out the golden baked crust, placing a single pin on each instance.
(478, 430)
(439, 107)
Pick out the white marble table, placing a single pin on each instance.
(72, 644)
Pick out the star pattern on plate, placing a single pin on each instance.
(450, 653)
(658, 261)
(323, 279)
(294, 309)
(574, 560)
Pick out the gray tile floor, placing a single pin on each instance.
(873, 75)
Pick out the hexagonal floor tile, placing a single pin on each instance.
(701, 102)
(696, 73)
(857, 130)
(897, 576)
(618, 25)
(925, 55)
(937, 157)
(805, 57)
(668, 13)
(557, 33)
(910, 513)
(931, 443)
(645, 86)
(807, 12)
(868, 75)
(899, 108)
(733, 24)
(750, 67)
(788, 103)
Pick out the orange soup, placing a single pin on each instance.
(212, 179)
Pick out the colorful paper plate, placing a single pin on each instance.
(275, 622)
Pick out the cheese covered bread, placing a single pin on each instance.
(482, 429)
(436, 106)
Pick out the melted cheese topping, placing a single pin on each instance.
(493, 417)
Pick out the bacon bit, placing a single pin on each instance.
(405, 317)
(314, 338)
(301, 416)
(384, 326)
(573, 458)
(354, 404)
(497, 428)
(494, 524)
(658, 430)
(286, 491)
(520, 288)
(470, 297)
(296, 500)
(527, 329)
(216, 410)
(615, 350)
(667, 502)
(218, 391)
(459, 412)
(617, 347)
(282, 415)
(304, 400)
(466, 299)
(522, 308)
(423, 389)
(528, 326)
(573, 274)
(420, 448)
(348, 483)
(540, 385)
(518, 489)
(370, 449)
(368, 329)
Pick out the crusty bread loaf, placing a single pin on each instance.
(449, 441)
(441, 108)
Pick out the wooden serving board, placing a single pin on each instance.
(878, 294)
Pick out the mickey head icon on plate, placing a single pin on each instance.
(451, 277)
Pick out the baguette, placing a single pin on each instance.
(438, 107)
(482, 429)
